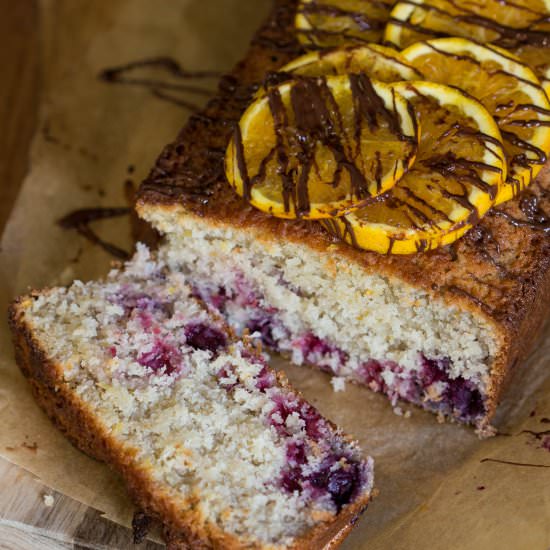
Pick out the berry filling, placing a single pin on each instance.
(201, 414)
(164, 335)
(428, 384)
(162, 356)
(205, 337)
(318, 464)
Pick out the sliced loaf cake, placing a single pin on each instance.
(210, 441)
(442, 329)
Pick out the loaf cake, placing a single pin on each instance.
(443, 329)
(212, 443)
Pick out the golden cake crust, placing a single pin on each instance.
(183, 529)
(499, 270)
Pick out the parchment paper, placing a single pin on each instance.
(437, 490)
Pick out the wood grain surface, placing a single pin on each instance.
(26, 520)
(33, 517)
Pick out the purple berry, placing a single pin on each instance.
(219, 299)
(315, 424)
(263, 325)
(205, 337)
(371, 372)
(245, 294)
(314, 350)
(434, 371)
(295, 453)
(291, 480)
(464, 399)
(265, 379)
(161, 356)
(342, 484)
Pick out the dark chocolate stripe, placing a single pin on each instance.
(241, 161)
(508, 37)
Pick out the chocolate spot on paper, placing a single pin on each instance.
(512, 463)
(80, 221)
(164, 78)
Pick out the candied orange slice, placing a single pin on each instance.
(379, 62)
(319, 147)
(507, 88)
(505, 23)
(324, 23)
(459, 168)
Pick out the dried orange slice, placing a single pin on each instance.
(379, 62)
(457, 173)
(507, 23)
(507, 88)
(324, 23)
(319, 147)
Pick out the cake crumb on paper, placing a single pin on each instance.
(400, 412)
(338, 383)
(48, 500)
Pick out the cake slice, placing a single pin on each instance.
(441, 329)
(209, 440)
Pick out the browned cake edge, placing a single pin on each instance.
(79, 425)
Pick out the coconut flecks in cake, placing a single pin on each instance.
(428, 384)
(318, 466)
(162, 376)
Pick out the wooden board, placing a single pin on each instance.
(33, 516)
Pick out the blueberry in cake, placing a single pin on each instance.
(436, 320)
(210, 441)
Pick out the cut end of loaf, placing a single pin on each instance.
(319, 309)
(234, 451)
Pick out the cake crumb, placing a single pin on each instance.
(398, 411)
(48, 500)
(338, 383)
(407, 414)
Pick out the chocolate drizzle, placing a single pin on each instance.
(521, 152)
(512, 463)
(506, 36)
(461, 292)
(170, 91)
(362, 26)
(187, 174)
(435, 156)
(537, 434)
(535, 217)
(462, 170)
(81, 219)
(313, 117)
